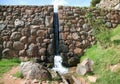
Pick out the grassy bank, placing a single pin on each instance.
(104, 58)
(6, 64)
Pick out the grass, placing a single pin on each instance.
(18, 74)
(104, 58)
(6, 64)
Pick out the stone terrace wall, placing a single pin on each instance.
(75, 32)
(27, 31)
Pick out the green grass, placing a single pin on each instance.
(6, 64)
(18, 74)
(104, 58)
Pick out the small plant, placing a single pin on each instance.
(56, 78)
(100, 31)
(16, 60)
(18, 74)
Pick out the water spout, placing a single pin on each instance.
(58, 65)
(57, 59)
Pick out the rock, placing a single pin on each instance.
(78, 44)
(46, 40)
(25, 32)
(69, 36)
(81, 79)
(72, 29)
(75, 36)
(41, 33)
(24, 39)
(22, 53)
(35, 81)
(108, 4)
(15, 36)
(43, 58)
(92, 79)
(42, 51)
(7, 53)
(76, 81)
(28, 11)
(1, 40)
(1, 48)
(36, 19)
(5, 38)
(86, 27)
(50, 59)
(114, 25)
(9, 45)
(108, 16)
(42, 26)
(50, 49)
(108, 24)
(70, 54)
(39, 39)
(63, 48)
(50, 9)
(27, 81)
(17, 45)
(4, 44)
(78, 51)
(50, 30)
(44, 45)
(32, 70)
(2, 26)
(64, 35)
(48, 21)
(24, 59)
(51, 36)
(66, 80)
(32, 39)
(85, 67)
(18, 23)
(117, 7)
(34, 29)
(32, 50)
(115, 68)
(37, 60)
(9, 10)
(61, 22)
(61, 28)
(73, 61)
(5, 32)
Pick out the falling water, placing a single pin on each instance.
(58, 65)
(58, 59)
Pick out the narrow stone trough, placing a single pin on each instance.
(57, 59)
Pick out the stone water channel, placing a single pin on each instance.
(57, 59)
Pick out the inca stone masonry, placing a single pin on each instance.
(27, 31)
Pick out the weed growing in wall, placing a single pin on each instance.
(100, 30)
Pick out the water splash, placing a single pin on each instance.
(56, 3)
(58, 65)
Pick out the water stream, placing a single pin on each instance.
(58, 59)
(58, 65)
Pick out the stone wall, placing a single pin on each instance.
(27, 31)
(75, 32)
